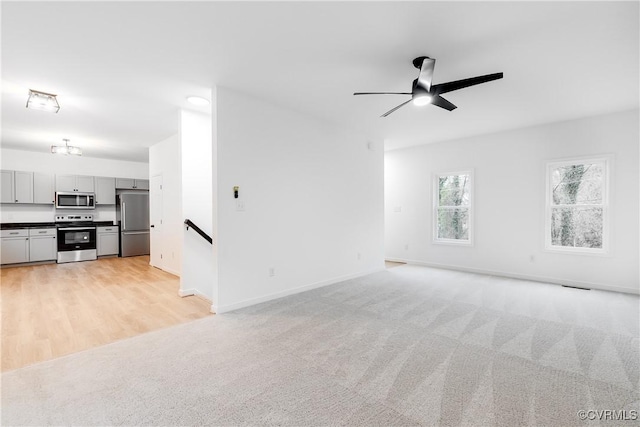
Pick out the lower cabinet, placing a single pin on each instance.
(108, 241)
(42, 244)
(28, 245)
(14, 246)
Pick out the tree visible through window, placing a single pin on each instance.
(453, 204)
(577, 205)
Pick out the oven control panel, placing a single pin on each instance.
(74, 217)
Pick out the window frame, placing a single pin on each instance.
(436, 205)
(606, 161)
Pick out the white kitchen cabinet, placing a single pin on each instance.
(8, 189)
(107, 240)
(125, 183)
(17, 187)
(80, 183)
(65, 183)
(105, 191)
(43, 188)
(85, 184)
(24, 187)
(132, 184)
(142, 184)
(42, 244)
(14, 246)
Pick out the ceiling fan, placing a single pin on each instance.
(423, 93)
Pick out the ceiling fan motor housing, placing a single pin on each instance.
(418, 91)
(418, 61)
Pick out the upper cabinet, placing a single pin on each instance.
(105, 191)
(43, 188)
(40, 188)
(8, 188)
(17, 187)
(79, 183)
(132, 184)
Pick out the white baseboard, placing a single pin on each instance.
(534, 278)
(276, 295)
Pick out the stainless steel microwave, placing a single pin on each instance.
(75, 200)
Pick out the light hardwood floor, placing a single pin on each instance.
(56, 309)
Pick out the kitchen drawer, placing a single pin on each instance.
(21, 232)
(42, 232)
(109, 229)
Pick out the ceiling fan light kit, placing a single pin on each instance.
(424, 93)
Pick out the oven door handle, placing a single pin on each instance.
(76, 229)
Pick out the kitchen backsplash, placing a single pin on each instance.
(45, 213)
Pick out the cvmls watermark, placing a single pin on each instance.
(608, 415)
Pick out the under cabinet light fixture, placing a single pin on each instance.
(43, 101)
(66, 149)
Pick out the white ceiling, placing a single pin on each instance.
(122, 70)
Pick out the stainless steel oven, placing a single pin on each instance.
(76, 242)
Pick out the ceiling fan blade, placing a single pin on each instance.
(442, 103)
(426, 73)
(395, 108)
(382, 93)
(460, 84)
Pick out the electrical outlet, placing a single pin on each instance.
(359, 255)
(272, 271)
(240, 205)
(397, 209)
(406, 247)
(532, 258)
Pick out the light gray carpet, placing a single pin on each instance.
(407, 346)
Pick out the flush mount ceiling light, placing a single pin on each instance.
(199, 101)
(66, 149)
(43, 101)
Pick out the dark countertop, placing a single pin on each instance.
(11, 225)
(14, 225)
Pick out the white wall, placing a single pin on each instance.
(164, 160)
(509, 171)
(198, 273)
(79, 165)
(313, 197)
(55, 164)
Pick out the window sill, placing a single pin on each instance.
(452, 242)
(567, 250)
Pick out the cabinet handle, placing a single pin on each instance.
(14, 232)
(42, 232)
(16, 200)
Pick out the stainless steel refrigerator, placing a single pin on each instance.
(132, 213)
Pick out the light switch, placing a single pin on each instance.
(239, 205)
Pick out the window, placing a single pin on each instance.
(577, 206)
(452, 200)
